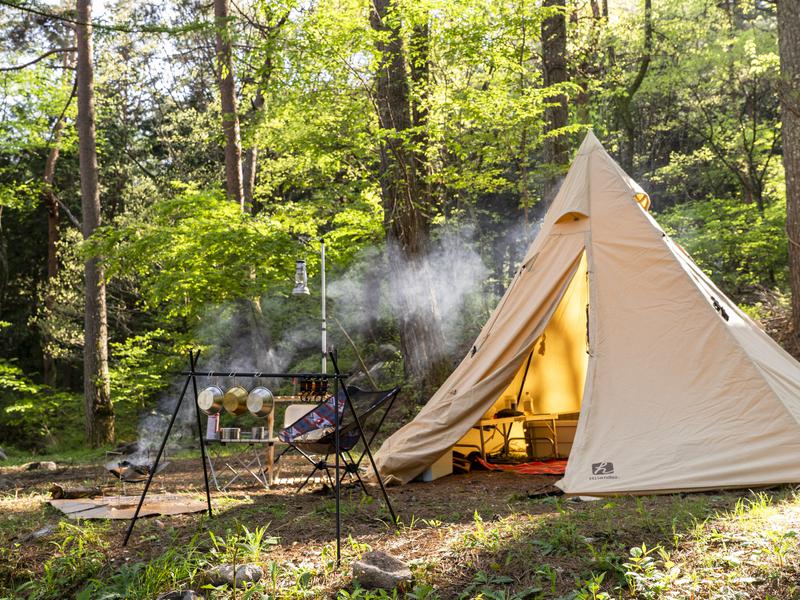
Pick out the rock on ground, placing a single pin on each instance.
(180, 595)
(380, 570)
(45, 465)
(223, 574)
(45, 531)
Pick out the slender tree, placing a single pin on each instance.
(97, 394)
(227, 93)
(406, 203)
(789, 47)
(554, 69)
(51, 203)
(623, 109)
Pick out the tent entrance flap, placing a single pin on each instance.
(551, 378)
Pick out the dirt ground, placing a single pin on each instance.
(466, 536)
(303, 521)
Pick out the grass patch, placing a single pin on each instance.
(728, 545)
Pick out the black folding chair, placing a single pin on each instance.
(314, 434)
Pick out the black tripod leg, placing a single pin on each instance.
(330, 479)
(337, 441)
(310, 475)
(285, 450)
(366, 443)
(358, 477)
(155, 464)
(193, 363)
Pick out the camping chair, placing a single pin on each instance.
(315, 432)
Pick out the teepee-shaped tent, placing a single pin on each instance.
(673, 386)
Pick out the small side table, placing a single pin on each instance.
(246, 459)
(503, 425)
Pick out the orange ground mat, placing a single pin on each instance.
(550, 467)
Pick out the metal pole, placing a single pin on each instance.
(324, 313)
(193, 362)
(349, 402)
(337, 474)
(158, 459)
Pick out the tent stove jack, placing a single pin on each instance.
(338, 378)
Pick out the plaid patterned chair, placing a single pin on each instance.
(314, 434)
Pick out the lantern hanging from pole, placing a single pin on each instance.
(300, 279)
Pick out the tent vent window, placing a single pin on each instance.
(719, 308)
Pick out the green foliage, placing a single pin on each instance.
(183, 262)
(590, 589)
(78, 555)
(33, 415)
(193, 251)
(196, 250)
(145, 580)
(32, 99)
(60, 321)
(738, 246)
(143, 365)
(648, 577)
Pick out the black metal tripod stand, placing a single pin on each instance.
(190, 377)
(338, 379)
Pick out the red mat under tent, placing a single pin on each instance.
(550, 467)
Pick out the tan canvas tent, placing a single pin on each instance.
(608, 321)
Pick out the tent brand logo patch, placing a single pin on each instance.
(603, 470)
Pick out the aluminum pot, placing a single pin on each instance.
(230, 433)
(259, 433)
(260, 401)
(235, 400)
(210, 400)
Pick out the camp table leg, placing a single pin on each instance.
(555, 438)
(270, 464)
(506, 430)
(529, 439)
(211, 468)
(262, 475)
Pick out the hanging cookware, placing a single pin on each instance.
(210, 400)
(235, 400)
(260, 401)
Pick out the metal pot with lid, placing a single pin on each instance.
(260, 401)
(210, 400)
(235, 400)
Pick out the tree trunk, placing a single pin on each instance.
(554, 67)
(227, 93)
(624, 113)
(250, 161)
(51, 202)
(407, 218)
(49, 197)
(789, 44)
(97, 395)
(420, 69)
(249, 166)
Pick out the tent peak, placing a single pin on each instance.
(590, 143)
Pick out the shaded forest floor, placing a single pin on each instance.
(466, 536)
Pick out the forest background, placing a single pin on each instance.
(163, 165)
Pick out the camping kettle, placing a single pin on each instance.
(235, 400)
(260, 401)
(210, 400)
